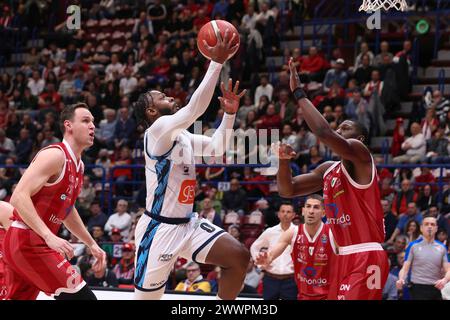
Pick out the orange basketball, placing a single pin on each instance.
(209, 33)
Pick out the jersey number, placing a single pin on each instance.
(207, 227)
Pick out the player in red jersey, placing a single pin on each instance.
(36, 258)
(312, 247)
(352, 200)
(6, 211)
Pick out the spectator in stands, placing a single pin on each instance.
(278, 281)
(415, 146)
(398, 138)
(87, 194)
(128, 83)
(313, 160)
(440, 104)
(411, 214)
(121, 219)
(437, 147)
(264, 89)
(312, 66)
(7, 147)
(426, 199)
(24, 147)
(336, 74)
(442, 221)
(365, 51)
(209, 213)
(142, 21)
(425, 176)
(390, 220)
(374, 86)
(442, 236)
(124, 270)
(103, 278)
(105, 133)
(246, 107)
(249, 20)
(253, 276)
(412, 230)
(125, 129)
(157, 13)
(36, 84)
(390, 289)
(85, 263)
(113, 68)
(384, 51)
(429, 124)
(97, 217)
(386, 190)
(235, 199)
(270, 120)
(285, 107)
(364, 72)
(116, 236)
(289, 137)
(98, 234)
(49, 138)
(235, 232)
(446, 200)
(306, 140)
(396, 250)
(426, 258)
(194, 281)
(406, 51)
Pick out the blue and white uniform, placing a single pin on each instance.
(170, 228)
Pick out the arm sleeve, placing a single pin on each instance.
(259, 243)
(162, 133)
(218, 143)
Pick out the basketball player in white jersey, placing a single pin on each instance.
(169, 228)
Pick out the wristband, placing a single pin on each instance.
(299, 93)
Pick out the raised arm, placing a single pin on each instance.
(349, 149)
(47, 165)
(164, 130)
(300, 185)
(219, 142)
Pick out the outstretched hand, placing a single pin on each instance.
(283, 151)
(294, 80)
(230, 98)
(223, 48)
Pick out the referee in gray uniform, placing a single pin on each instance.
(428, 261)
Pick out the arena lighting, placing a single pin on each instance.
(422, 26)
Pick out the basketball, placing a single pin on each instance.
(209, 33)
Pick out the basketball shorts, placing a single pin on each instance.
(31, 266)
(159, 244)
(359, 276)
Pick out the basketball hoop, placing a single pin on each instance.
(375, 5)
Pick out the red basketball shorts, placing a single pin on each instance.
(31, 266)
(359, 276)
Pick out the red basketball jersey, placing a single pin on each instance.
(353, 211)
(310, 258)
(56, 200)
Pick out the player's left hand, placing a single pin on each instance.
(440, 284)
(100, 258)
(230, 98)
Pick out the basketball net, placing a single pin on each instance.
(375, 5)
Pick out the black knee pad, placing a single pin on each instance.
(84, 294)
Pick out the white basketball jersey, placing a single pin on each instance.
(171, 179)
